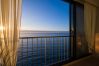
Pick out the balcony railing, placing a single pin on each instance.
(43, 50)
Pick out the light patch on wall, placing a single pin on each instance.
(97, 42)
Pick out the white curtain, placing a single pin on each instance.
(10, 17)
(89, 22)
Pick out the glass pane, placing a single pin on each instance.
(81, 43)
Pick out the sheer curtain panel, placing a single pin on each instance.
(89, 22)
(10, 17)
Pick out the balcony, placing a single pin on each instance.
(43, 50)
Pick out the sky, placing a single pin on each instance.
(45, 15)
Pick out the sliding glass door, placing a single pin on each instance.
(81, 45)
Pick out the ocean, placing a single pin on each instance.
(43, 48)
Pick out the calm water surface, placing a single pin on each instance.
(43, 51)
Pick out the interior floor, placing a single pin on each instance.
(92, 60)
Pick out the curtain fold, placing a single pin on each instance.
(10, 17)
(89, 22)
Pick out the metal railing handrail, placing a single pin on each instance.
(26, 51)
(43, 37)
